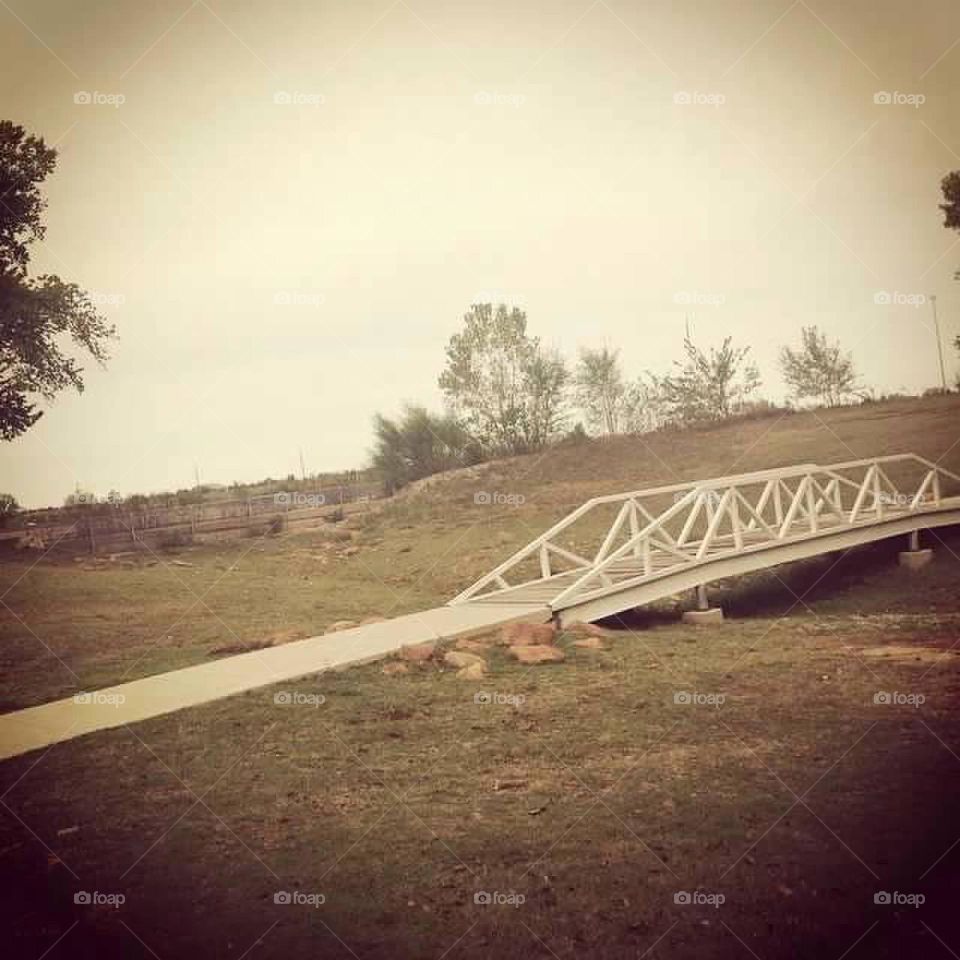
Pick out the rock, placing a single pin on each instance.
(527, 634)
(374, 619)
(351, 551)
(474, 644)
(475, 671)
(460, 659)
(590, 643)
(395, 667)
(341, 625)
(586, 629)
(418, 652)
(537, 653)
(499, 785)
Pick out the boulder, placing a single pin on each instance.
(461, 659)
(586, 629)
(528, 634)
(474, 644)
(418, 652)
(341, 625)
(590, 643)
(395, 667)
(537, 653)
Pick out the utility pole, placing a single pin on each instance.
(303, 471)
(936, 329)
(196, 474)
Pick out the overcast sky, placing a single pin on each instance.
(295, 202)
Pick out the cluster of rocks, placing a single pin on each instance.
(528, 643)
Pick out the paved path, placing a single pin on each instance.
(38, 727)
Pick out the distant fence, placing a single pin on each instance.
(119, 527)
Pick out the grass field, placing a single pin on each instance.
(782, 787)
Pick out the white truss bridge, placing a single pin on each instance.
(627, 549)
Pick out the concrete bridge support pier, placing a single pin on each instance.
(704, 615)
(913, 558)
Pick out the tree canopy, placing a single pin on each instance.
(38, 316)
(819, 369)
(501, 384)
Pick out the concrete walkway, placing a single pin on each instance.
(38, 727)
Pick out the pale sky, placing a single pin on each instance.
(280, 271)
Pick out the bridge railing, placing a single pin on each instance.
(714, 517)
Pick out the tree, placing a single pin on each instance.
(643, 405)
(819, 369)
(36, 315)
(504, 387)
(708, 386)
(417, 445)
(600, 389)
(544, 383)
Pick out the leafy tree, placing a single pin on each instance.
(708, 386)
(504, 387)
(643, 405)
(819, 369)
(545, 381)
(419, 444)
(600, 390)
(36, 315)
